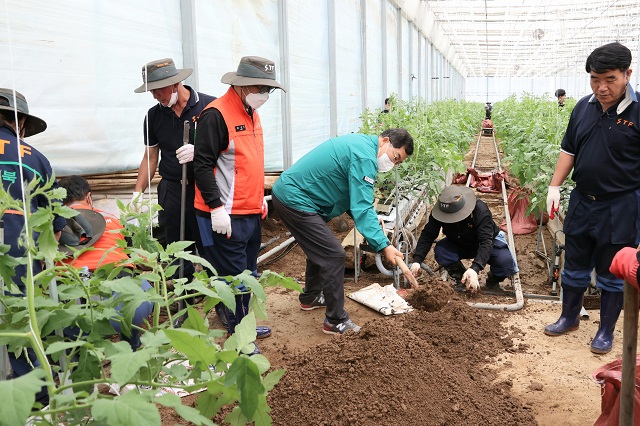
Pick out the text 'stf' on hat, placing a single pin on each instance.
(82, 231)
(253, 71)
(161, 73)
(32, 125)
(455, 203)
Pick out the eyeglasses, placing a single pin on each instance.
(397, 158)
(266, 89)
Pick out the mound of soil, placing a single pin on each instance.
(421, 368)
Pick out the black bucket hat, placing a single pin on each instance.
(253, 71)
(32, 125)
(455, 203)
(161, 73)
(81, 231)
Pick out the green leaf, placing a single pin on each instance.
(196, 349)
(200, 260)
(126, 410)
(261, 362)
(271, 379)
(195, 321)
(244, 334)
(262, 417)
(235, 418)
(88, 367)
(244, 374)
(18, 396)
(177, 246)
(188, 413)
(225, 294)
(61, 346)
(126, 364)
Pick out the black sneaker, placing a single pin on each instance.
(340, 328)
(316, 303)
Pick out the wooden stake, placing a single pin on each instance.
(629, 349)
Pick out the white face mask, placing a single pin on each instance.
(256, 100)
(172, 101)
(384, 162)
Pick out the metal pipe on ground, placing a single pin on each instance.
(276, 249)
(516, 278)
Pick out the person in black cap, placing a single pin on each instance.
(470, 233)
(163, 133)
(229, 171)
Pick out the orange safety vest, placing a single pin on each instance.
(105, 250)
(239, 170)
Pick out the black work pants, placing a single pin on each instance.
(325, 258)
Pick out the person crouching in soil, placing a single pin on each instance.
(470, 233)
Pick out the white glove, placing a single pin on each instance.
(265, 209)
(553, 200)
(415, 269)
(185, 153)
(137, 199)
(470, 278)
(220, 221)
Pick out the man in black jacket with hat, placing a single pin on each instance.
(163, 133)
(470, 233)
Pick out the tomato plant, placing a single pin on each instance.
(530, 130)
(441, 131)
(64, 320)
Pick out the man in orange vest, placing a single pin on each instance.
(105, 248)
(229, 171)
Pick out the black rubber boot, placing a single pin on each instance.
(262, 331)
(493, 282)
(456, 271)
(610, 307)
(570, 317)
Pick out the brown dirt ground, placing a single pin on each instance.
(446, 363)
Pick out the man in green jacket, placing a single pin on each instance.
(337, 176)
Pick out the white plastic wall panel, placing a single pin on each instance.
(309, 64)
(348, 65)
(414, 61)
(375, 95)
(226, 31)
(393, 67)
(405, 67)
(77, 63)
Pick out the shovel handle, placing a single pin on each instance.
(407, 273)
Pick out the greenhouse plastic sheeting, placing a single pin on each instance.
(78, 62)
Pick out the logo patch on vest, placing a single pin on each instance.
(241, 128)
(369, 180)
